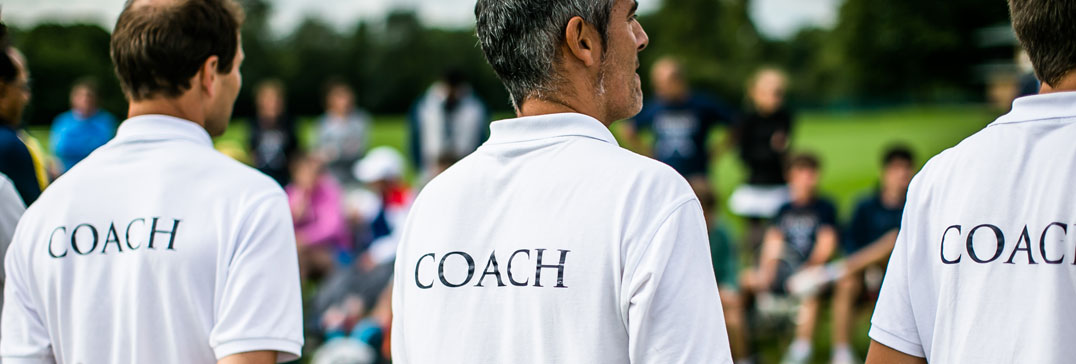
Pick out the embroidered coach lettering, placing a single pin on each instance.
(470, 269)
(509, 268)
(457, 269)
(1042, 242)
(85, 238)
(74, 239)
(52, 237)
(171, 233)
(560, 269)
(993, 243)
(947, 261)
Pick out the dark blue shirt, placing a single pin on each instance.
(800, 226)
(18, 165)
(872, 220)
(681, 129)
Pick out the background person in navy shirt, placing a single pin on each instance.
(803, 235)
(78, 132)
(681, 121)
(15, 159)
(868, 244)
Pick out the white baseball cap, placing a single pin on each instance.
(379, 164)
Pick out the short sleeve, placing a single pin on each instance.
(855, 234)
(259, 307)
(827, 213)
(673, 309)
(25, 338)
(893, 323)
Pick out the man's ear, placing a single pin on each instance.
(207, 76)
(583, 41)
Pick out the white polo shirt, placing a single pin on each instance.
(11, 209)
(154, 249)
(551, 244)
(983, 269)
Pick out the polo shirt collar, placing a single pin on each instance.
(162, 127)
(1058, 105)
(549, 126)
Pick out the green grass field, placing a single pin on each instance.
(849, 143)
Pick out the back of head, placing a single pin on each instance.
(8, 70)
(521, 38)
(804, 160)
(1046, 29)
(898, 153)
(159, 45)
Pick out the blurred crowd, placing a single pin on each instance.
(349, 197)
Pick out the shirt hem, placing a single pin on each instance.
(287, 350)
(895, 342)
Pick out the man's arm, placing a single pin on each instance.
(773, 244)
(260, 308)
(669, 295)
(881, 354)
(252, 357)
(876, 252)
(825, 245)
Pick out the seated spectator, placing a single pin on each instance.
(342, 132)
(355, 301)
(273, 141)
(803, 235)
(868, 242)
(78, 132)
(321, 230)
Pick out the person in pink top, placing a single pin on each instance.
(321, 230)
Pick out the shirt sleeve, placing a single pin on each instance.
(857, 229)
(259, 306)
(893, 323)
(25, 338)
(673, 309)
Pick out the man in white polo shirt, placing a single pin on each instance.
(983, 267)
(156, 248)
(551, 243)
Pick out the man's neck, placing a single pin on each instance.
(535, 107)
(169, 107)
(892, 197)
(1067, 84)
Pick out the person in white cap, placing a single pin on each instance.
(982, 269)
(551, 243)
(157, 248)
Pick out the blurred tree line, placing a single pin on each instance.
(880, 52)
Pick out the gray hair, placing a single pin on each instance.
(521, 39)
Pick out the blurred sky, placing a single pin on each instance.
(775, 18)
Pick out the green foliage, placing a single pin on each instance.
(897, 51)
(879, 53)
(58, 55)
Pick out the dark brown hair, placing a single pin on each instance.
(8, 71)
(1046, 29)
(158, 48)
(804, 160)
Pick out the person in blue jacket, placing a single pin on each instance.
(79, 131)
